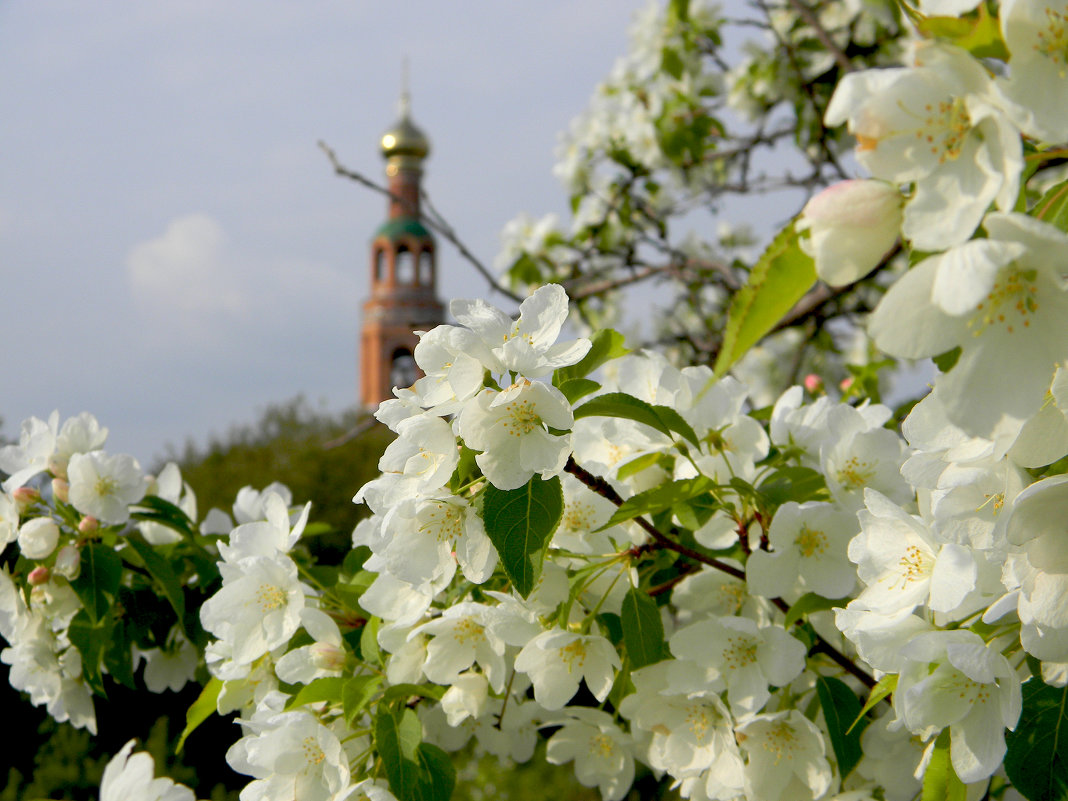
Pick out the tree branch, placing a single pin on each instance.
(433, 219)
(606, 490)
(812, 20)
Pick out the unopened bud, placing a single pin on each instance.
(846, 383)
(26, 497)
(68, 561)
(39, 575)
(57, 466)
(60, 489)
(327, 657)
(813, 383)
(38, 537)
(851, 225)
(88, 525)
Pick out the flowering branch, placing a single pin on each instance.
(434, 220)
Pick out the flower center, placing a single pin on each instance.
(601, 745)
(520, 417)
(468, 631)
(105, 485)
(944, 128)
(855, 474)
(779, 741)
(1010, 302)
(573, 652)
(270, 597)
(578, 517)
(1052, 42)
(700, 723)
(732, 594)
(313, 754)
(811, 543)
(443, 521)
(740, 652)
(914, 564)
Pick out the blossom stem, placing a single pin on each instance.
(605, 490)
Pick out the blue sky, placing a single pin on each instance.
(176, 251)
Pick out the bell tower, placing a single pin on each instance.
(403, 271)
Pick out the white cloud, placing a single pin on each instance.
(186, 272)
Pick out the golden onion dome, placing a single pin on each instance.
(404, 138)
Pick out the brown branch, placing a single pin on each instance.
(812, 20)
(606, 490)
(434, 220)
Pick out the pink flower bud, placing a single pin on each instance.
(813, 383)
(851, 225)
(88, 525)
(57, 466)
(69, 561)
(26, 497)
(39, 575)
(60, 489)
(846, 383)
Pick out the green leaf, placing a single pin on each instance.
(166, 514)
(671, 63)
(945, 361)
(357, 693)
(520, 523)
(978, 33)
(440, 775)
(328, 688)
(793, 483)
(840, 709)
(666, 496)
(405, 691)
(605, 345)
(96, 585)
(118, 657)
(574, 389)
(416, 771)
(201, 709)
(619, 404)
(1037, 757)
(637, 465)
(940, 781)
(780, 278)
(675, 422)
(1052, 207)
(643, 630)
(807, 604)
(369, 642)
(160, 569)
(397, 736)
(886, 685)
(695, 512)
(90, 638)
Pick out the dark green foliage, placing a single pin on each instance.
(322, 458)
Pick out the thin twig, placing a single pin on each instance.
(806, 14)
(434, 220)
(606, 490)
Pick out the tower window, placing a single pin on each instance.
(404, 266)
(403, 371)
(380, 266)
(426, 268)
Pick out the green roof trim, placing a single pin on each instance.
(403, 226)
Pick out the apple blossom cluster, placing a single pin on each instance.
(651, 567)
